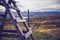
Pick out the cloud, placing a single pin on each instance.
(2, 8)
(38, 5)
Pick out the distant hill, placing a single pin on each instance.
(33, 14)
(41, 13)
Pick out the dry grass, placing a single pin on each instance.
(37, 32)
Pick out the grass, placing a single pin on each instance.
(41, 36)
(37, 36)
(42, 33)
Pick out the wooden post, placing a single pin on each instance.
(28, 17)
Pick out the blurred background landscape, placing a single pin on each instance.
(45, 25)
(44, 18)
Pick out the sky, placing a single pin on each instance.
(38, 5)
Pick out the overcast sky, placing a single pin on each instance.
(39, 5)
